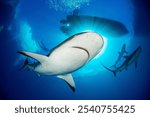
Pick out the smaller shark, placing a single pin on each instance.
(129, 60)
(121, 53)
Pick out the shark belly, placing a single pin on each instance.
(67, 57)
(66, 61)
(74, 54)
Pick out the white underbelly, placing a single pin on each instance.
(73, 54)
(67, 60)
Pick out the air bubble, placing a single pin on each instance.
(67, 5)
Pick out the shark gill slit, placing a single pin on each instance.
(82, 49)
(102, 40)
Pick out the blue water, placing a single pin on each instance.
(39, 21)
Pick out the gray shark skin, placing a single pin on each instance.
(98, 24)
(129, 60)
(121, 53)
(67, 57)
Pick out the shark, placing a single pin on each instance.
(121, 53)
(133, 57)
(67, 57)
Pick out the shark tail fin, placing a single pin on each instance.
(113, 71)
(24, 64)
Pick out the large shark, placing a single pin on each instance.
(121, 53)
(128, 61)
(67, 57)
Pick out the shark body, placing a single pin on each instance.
(67, 57)
(128, 61)
(121, 53)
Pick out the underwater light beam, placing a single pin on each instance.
(26, 40)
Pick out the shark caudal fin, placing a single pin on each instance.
(38, 57)
(24, 64)
(113, 71)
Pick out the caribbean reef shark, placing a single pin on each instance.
(128, 61)
(121, 53)
(67, 57)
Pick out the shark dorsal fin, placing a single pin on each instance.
(69, 80)
(38, 57)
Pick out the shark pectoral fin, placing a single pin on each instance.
(69, 80)
(38, 57)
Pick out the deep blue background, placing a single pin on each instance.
(14, 84)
